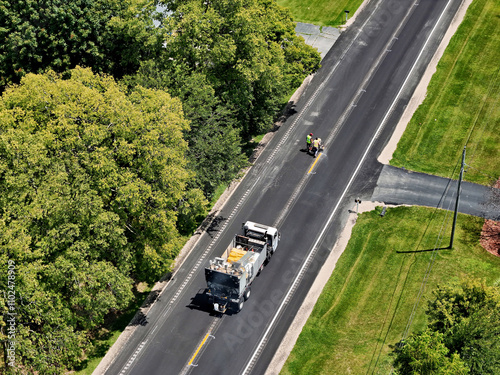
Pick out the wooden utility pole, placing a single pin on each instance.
(458, 200)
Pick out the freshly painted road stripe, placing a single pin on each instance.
(199, 347)
(212, 328)
(134, 356)
(264, 338)
(312, 166)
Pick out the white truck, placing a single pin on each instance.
(230, 276)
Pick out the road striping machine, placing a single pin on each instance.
(230, 276)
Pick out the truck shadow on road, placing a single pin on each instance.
(201, 302)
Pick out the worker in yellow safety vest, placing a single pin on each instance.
(308, 141)
(316, 144)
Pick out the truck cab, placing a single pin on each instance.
(266, 233)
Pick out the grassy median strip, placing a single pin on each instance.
(367, 303)
(462, 106)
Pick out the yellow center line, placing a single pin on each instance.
(312, 166)
(199, 347)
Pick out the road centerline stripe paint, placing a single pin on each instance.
(199, 347)
(315, 161)
(210, 333)
(271, 324)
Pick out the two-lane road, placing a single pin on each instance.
(353, 104)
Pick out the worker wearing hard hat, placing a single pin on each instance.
(309, 141)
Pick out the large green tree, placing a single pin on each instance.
(467, 314)
(463, 331)
(92, 180)
(426, 354)
(215, 153)
(110, 36)
(247, 50)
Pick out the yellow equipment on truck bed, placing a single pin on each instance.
(229, 277)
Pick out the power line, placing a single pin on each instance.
(493, 81)
(439, 238)
(445, 222)
(430, 265)
(444, 225)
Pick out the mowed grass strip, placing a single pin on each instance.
(321, 12)
(462, 106)
(367, 303)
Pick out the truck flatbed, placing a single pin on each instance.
(229, 276)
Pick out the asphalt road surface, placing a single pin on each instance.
(399, 186)
(353, 103)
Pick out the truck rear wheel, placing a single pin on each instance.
(247, 294)
(240, 305)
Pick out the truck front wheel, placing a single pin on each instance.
(247, 294)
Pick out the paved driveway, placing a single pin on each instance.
(321, 38)
(400, 186)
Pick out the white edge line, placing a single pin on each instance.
(382, 123)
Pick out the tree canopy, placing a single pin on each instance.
(247, 50)
(425, 354)
(463, 331)
(110, 36)
(101, 172)
(233, 65)
(92, 179)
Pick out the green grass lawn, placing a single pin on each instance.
(367, 303)
(462, 107)
(321, 12)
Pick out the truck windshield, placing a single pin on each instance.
(256, 235)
